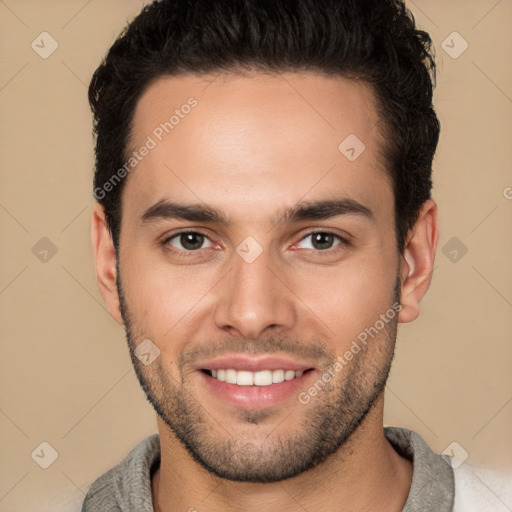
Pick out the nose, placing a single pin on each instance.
(254, 298)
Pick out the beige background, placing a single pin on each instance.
(65, 374)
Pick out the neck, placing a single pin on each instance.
(364, 474)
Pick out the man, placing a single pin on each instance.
(265, 221)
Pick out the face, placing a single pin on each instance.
(253, 253)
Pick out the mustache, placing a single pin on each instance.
(274, 344)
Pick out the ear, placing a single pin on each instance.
(417, 261)
(105, 262)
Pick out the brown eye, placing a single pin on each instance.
(322, 240)
(188, 241)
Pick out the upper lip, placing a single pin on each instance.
(253, 364)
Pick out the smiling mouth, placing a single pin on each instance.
(259, 378)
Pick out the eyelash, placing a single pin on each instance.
(187, 254)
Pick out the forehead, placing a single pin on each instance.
(234, 139)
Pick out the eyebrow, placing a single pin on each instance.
(166, 209)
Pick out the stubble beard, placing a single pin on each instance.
(321, 428)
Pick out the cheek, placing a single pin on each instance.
(348, 298)
(164, 299)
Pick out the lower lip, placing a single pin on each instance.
(255, 397)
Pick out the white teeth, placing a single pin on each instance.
(289, 375)
(231, 376)
(261, 378)
(277, 376)
(244, 378)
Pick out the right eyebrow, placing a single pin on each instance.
(166, 209)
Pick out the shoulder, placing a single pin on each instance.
(127, 484)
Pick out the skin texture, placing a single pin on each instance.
(252, 147)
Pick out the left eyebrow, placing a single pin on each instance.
(303, 211)
(323, 210)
